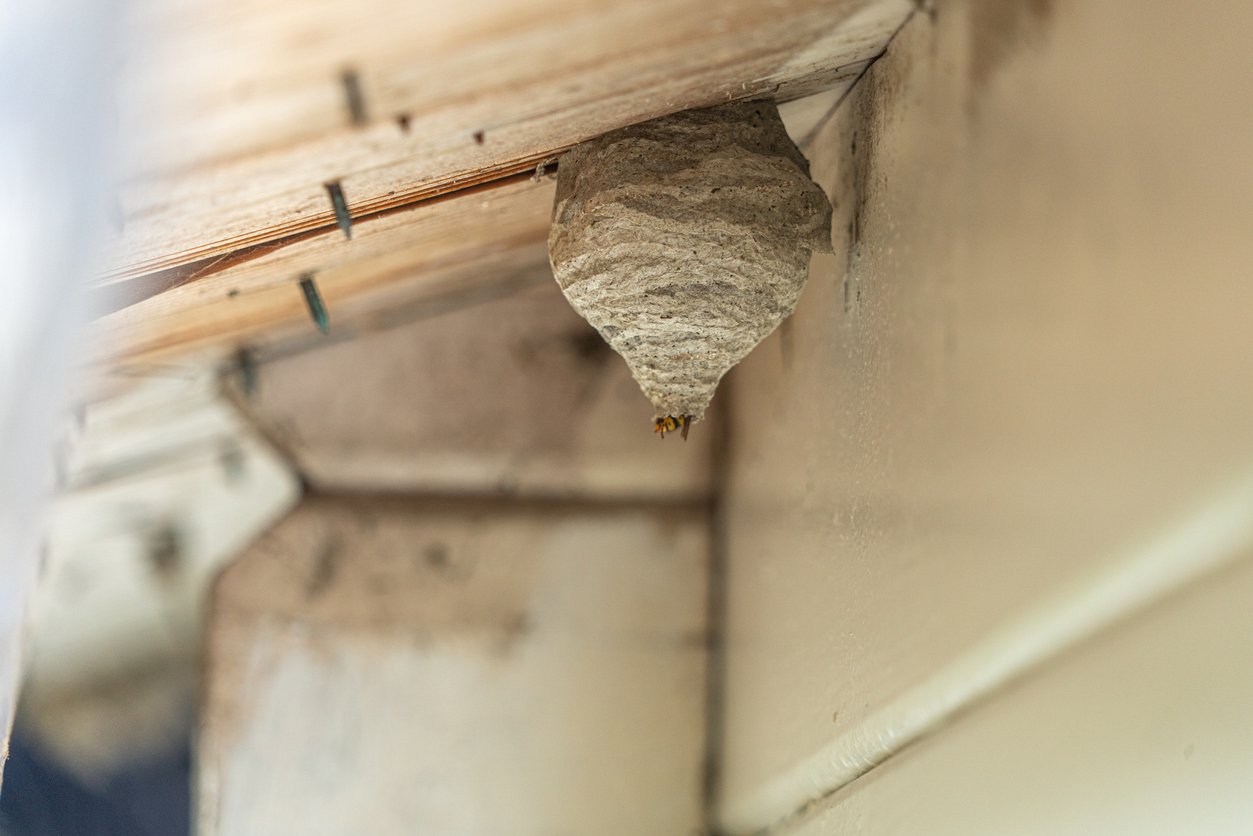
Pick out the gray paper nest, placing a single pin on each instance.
(685, 241)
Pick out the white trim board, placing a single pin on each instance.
(1212, 536)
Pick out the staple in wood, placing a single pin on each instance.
(685, 241)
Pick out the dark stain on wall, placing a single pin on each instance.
(998, 29)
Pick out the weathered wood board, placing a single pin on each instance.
(452, 251)
(234, 115)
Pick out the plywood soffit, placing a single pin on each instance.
(395, 269)
(234, 117)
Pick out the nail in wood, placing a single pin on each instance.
(342, 218)
(354, 97)
(313, 299)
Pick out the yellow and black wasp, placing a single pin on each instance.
(671, 424)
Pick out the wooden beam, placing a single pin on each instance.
(234, 115)
(460, 248)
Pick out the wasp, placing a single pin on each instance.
(671, 424)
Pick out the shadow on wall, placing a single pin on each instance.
(40, 799)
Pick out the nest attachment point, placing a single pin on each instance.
(685, 241)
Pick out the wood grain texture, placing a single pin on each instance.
(437, 253)
(233, 115)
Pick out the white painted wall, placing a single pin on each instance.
(396, 667)
(165, 482)
(1013, 407)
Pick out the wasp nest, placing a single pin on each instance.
(685, 241)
